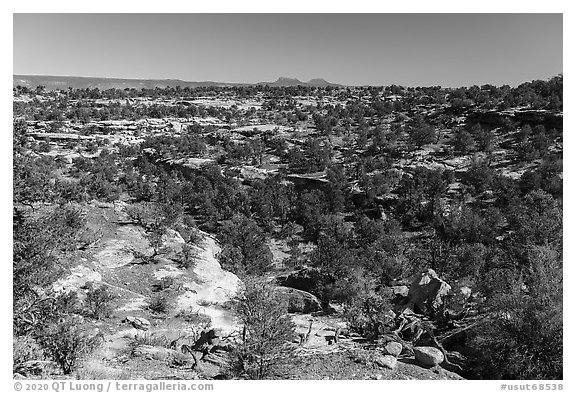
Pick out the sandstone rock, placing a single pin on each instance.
(393, 348)
(386, 361)
(299, 301)
(428, 356)
(212, 287)
(138, 322)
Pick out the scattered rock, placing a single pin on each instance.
(299, 301)
(386, 361)
(428, 356)
(393, 348)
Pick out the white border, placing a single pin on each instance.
(297, 6)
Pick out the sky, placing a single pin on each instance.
(354, 49)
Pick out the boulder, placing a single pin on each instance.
(303, 279)
(400, 290)
(386, 361)
(138, 323)
(428, 356)
(298, 301)
(427, 292)
(393, 348)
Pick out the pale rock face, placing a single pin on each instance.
(214, 287)
(117, 252)
(79, 276)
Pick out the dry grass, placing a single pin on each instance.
(155, 339)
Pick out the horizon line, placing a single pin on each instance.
(278, 78)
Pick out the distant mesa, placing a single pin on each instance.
(51, 82)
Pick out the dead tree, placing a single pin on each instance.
(305, 336)
(336, 334)
(187, 349)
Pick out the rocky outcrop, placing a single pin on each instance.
(213, 288)
(303, 279)
(427, 292)
(494, 118)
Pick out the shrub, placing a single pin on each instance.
(40, 243)
(25, 348)
(67, 342)
(155, 339)
(421, 134)
(463, 142)
(366, 310)
(244, 248)
(99, 301)
(525, 339)
(195, 317)
(160, 304)
(187, 257)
